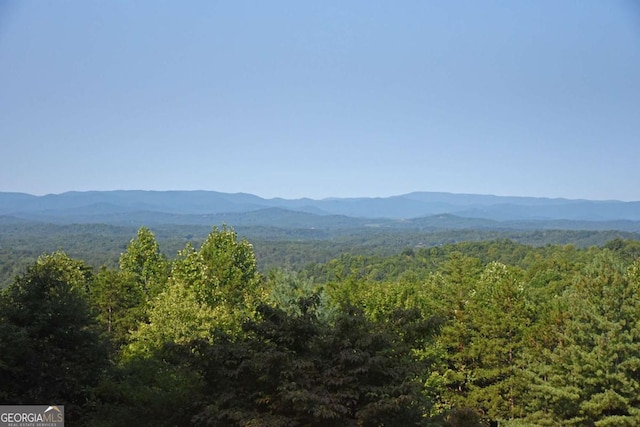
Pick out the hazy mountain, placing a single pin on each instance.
(420, 209)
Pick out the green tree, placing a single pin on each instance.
(176, 316)
(590, 377)
(51, 348)
(229, 269)
(217, 286)
(144, 263)
(485, 344)
(119, 303)
(285, 288)
(628, 250)
(298, 370)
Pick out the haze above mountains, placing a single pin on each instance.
(418, 209)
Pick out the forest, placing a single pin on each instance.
(469, 333)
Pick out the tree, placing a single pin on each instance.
(628, 250)
(230, 274)
(176, 316)
(52, 350)
(217, 286)
(144, 263)
(298, 370)
(285, 288)
(484, 346)
(119, 302)
(590, 377)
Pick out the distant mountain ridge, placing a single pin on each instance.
(199, 207)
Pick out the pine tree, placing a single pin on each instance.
(484, 346)
(591, 377)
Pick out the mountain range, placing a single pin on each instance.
(422, 210)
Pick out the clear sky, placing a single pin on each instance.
(322, 98)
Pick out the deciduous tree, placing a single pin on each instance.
(51, 348)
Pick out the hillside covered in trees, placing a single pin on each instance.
(456, 334)
(292, 247)
(413, 210)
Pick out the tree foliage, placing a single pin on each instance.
(466, 334)
(590, 377)
(144, 263)
(298, 370)
(51, 348)
(217, 286)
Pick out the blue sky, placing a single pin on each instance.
(322, 98)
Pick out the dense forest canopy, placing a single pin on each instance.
(457, 334)
(275, 247)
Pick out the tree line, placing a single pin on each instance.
(275, 248)
(466, 334)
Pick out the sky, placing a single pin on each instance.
(322, 98)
